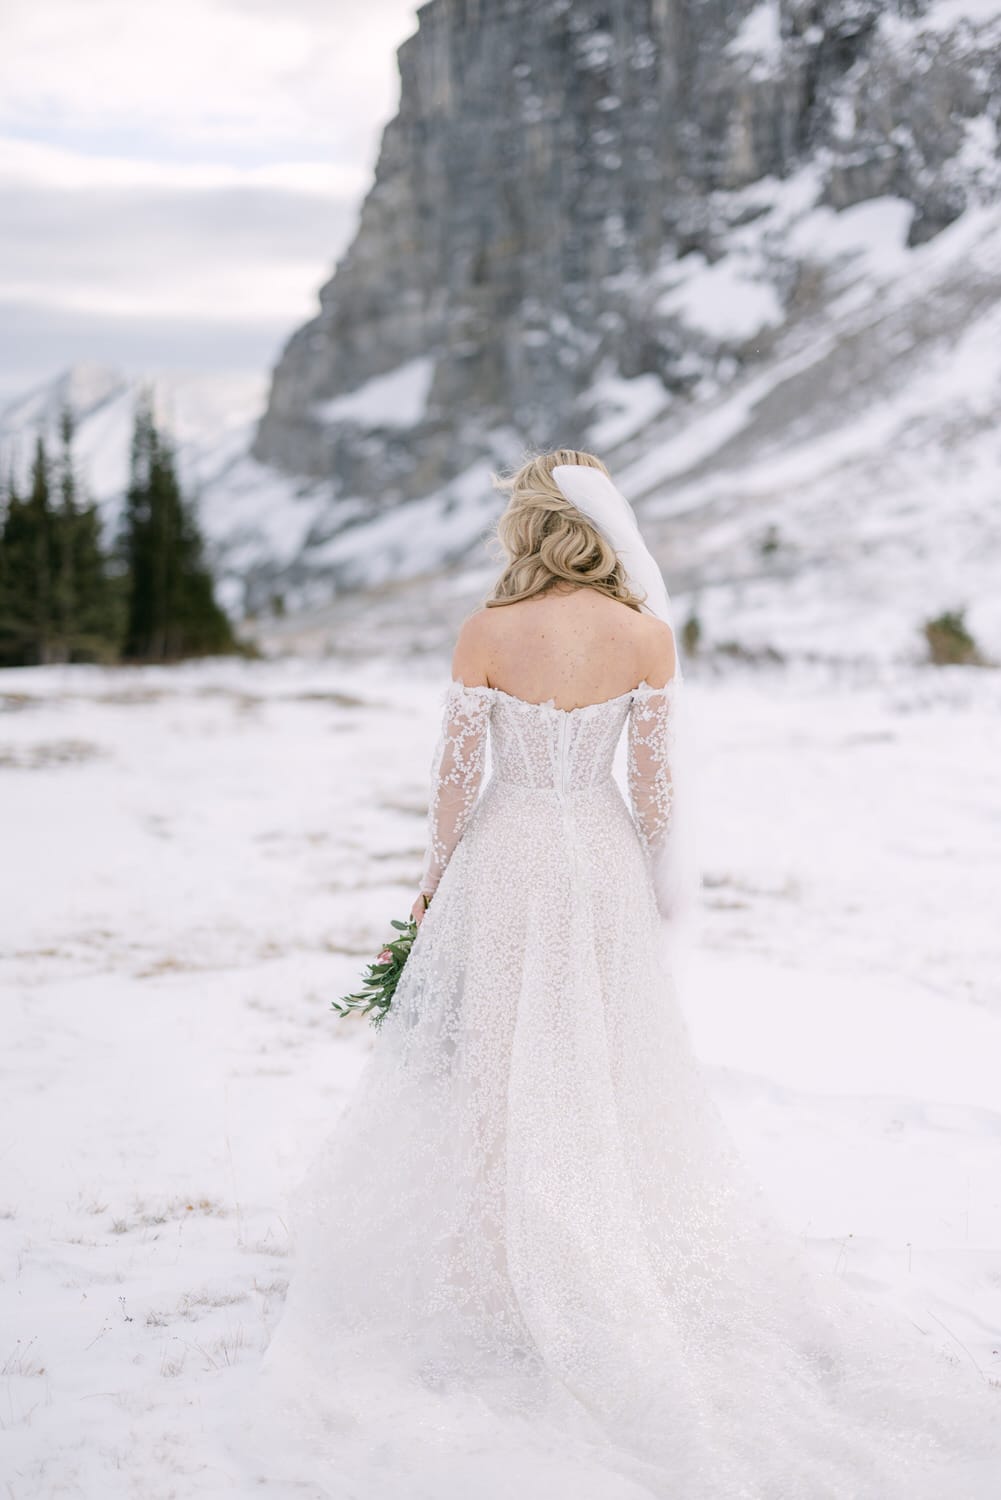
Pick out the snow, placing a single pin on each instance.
(210, 418)
(721, 299)
(414, 537)
(396, 399)
(945, 14)
(223, 846)
(875, 231)
(623, 406)
(759, 39)
(866, 443)
(253, 512)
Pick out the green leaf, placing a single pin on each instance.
(380, 980)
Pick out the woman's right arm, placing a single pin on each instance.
(649, 741)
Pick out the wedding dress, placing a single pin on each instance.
(528, 1260)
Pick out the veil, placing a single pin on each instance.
(677, 877)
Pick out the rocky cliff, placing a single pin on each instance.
(560, 185)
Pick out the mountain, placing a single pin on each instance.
(560, 202)
(750, 253)
(212, 421)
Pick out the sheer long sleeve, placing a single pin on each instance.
(649, 746)
(661, 775)
(456, 775)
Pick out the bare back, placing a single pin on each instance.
(572, 645)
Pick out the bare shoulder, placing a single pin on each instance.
(472, 648)
(659, 652)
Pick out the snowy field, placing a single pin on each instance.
(197, 859)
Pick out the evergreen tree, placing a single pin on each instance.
(26, 622)
(9, 633)
(63, 560)
(39, 559)
(58, 601)
(171, 608)
(60, 598)
(88, 597)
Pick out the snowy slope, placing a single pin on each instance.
(247, 511)
(209, 417)
(825, 500)
(828, 498)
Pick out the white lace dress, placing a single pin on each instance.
(527, 1261)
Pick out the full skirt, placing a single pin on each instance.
(528, 1259)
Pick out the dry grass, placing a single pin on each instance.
(227, 1350)
(172, 1363)
(275, 1288)
(21, 1361)
(147, 1216)
(46, 753)
(89, 1203)
(206, 1298)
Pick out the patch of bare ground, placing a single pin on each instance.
(46, 753)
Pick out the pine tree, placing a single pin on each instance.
(63, 559)
(88, 597)
(60, 598)
(40, 557)
(26, 622)
(9, 637)
(171, 609)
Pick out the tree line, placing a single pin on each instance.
(66, 596)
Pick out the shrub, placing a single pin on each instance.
(950, 643)
(770, 542)
(691, 634)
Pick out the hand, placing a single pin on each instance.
(419, 907)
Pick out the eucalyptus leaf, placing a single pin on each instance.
(381, 978)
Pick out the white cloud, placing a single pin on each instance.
(205, 72)
(56, 167)
(202, 161)
(221, 251)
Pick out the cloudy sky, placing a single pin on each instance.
(176, 181)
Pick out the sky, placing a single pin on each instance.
(177, 181)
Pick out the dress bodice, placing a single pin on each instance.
(564, 753)
(540, 745)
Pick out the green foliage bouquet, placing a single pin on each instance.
(379, 983)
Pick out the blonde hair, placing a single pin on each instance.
(547, 540)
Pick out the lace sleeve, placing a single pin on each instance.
(651, 787)
(662, 775)
(456, 774)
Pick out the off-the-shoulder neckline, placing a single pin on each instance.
(550, 703)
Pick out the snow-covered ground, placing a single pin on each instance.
(197, 859)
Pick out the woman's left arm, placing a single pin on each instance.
(459, 760)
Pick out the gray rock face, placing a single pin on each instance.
(548, 161)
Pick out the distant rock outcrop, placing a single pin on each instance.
(557, 188)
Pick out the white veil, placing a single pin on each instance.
(676, 870)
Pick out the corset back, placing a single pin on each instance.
(541, 746)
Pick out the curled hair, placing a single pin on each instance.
(547, 540)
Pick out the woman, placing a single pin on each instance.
(528, 1259)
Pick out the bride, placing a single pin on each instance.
(529, 1261)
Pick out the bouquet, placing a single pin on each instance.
(379, 983)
